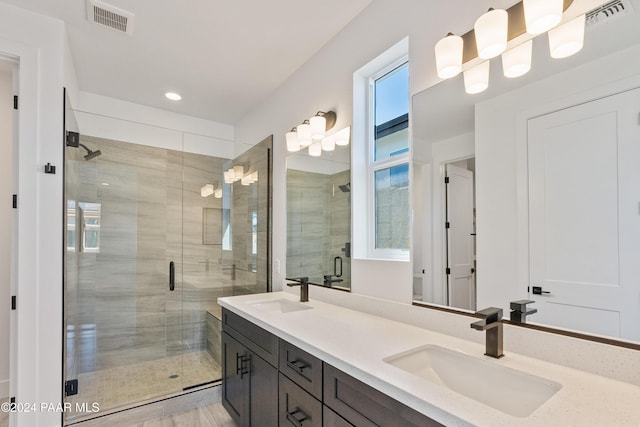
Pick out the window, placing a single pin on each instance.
(388, 168)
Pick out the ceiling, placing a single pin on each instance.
(223, 56)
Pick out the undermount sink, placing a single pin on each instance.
(508, 390)
(280, 305)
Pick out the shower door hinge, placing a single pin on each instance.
(448, 270)
(15, 201)
(15, 102)
(73, 139)
(71, 388)
(447, 224)
(14, 302)
(446, 179)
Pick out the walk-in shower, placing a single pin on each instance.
(148, 252)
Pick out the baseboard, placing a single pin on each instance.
(4, 388)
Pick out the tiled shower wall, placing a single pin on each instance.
(318, 224)
(118, 306)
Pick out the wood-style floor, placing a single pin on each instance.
(213, 415)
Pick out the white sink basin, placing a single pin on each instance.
(508, 390)
(280, 305)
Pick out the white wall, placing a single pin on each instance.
(501, 186)
(325, 82)
(6, 222)
(110, 118)
(39, 44)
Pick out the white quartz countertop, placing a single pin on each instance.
(357, 343)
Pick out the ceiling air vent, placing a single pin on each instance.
(110, 16)
(607, 12)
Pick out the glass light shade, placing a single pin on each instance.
(542, 15)
(228, 176)
(517, 61)
(318, 126)
(342, 136)
(246, 180)
(238, 171)
(567, 39)
(449, 56)
(254, 176)
(491, 33)
(292, 141)
(304, 134)
(218, 193)
(476, 79)
(329, 143)
(315, 149)
(206, 190)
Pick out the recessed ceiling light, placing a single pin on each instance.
(173, 96)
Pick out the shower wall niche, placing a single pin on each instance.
(148, 252)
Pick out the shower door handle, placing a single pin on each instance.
(172, 276)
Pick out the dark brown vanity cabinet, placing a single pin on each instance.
(250, 374)
(270, 382)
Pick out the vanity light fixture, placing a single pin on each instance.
(476, 79)
(516, 62)
(311, 131)
(449, 56)
(343, 136)
(206, 190)
(218, 193)
(542, 15)
(567, 39)
(328, 143)
(315, 149)
(494, 30)
(293, 143)
(173, 96)
(491, 33)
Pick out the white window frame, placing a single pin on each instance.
(363, 164)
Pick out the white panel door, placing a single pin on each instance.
(462, 293)
(584, 216)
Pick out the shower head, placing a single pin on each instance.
(92, 154)
(345, 188)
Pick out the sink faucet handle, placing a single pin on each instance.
(520, 305)
(297, 281)
(491, 314)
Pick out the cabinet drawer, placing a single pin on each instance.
(301, 367)
(297, 407)
(363, 405)
(331, 419)
(256, 339)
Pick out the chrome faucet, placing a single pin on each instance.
(303, 282)
(492, 324)
(519, 311)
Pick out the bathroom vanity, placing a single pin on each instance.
(335, 365)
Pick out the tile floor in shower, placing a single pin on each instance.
(122, 386)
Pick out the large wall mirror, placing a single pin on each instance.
(529, 190)
(319, 216)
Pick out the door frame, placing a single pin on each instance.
(461, 147)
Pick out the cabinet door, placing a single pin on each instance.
(235, 380)
(264, 393)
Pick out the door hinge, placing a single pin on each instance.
(71, 388)
(448, 270)
(15, 102)
(14, 302)
(447, 224)
(446, 179)
(15, 201)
